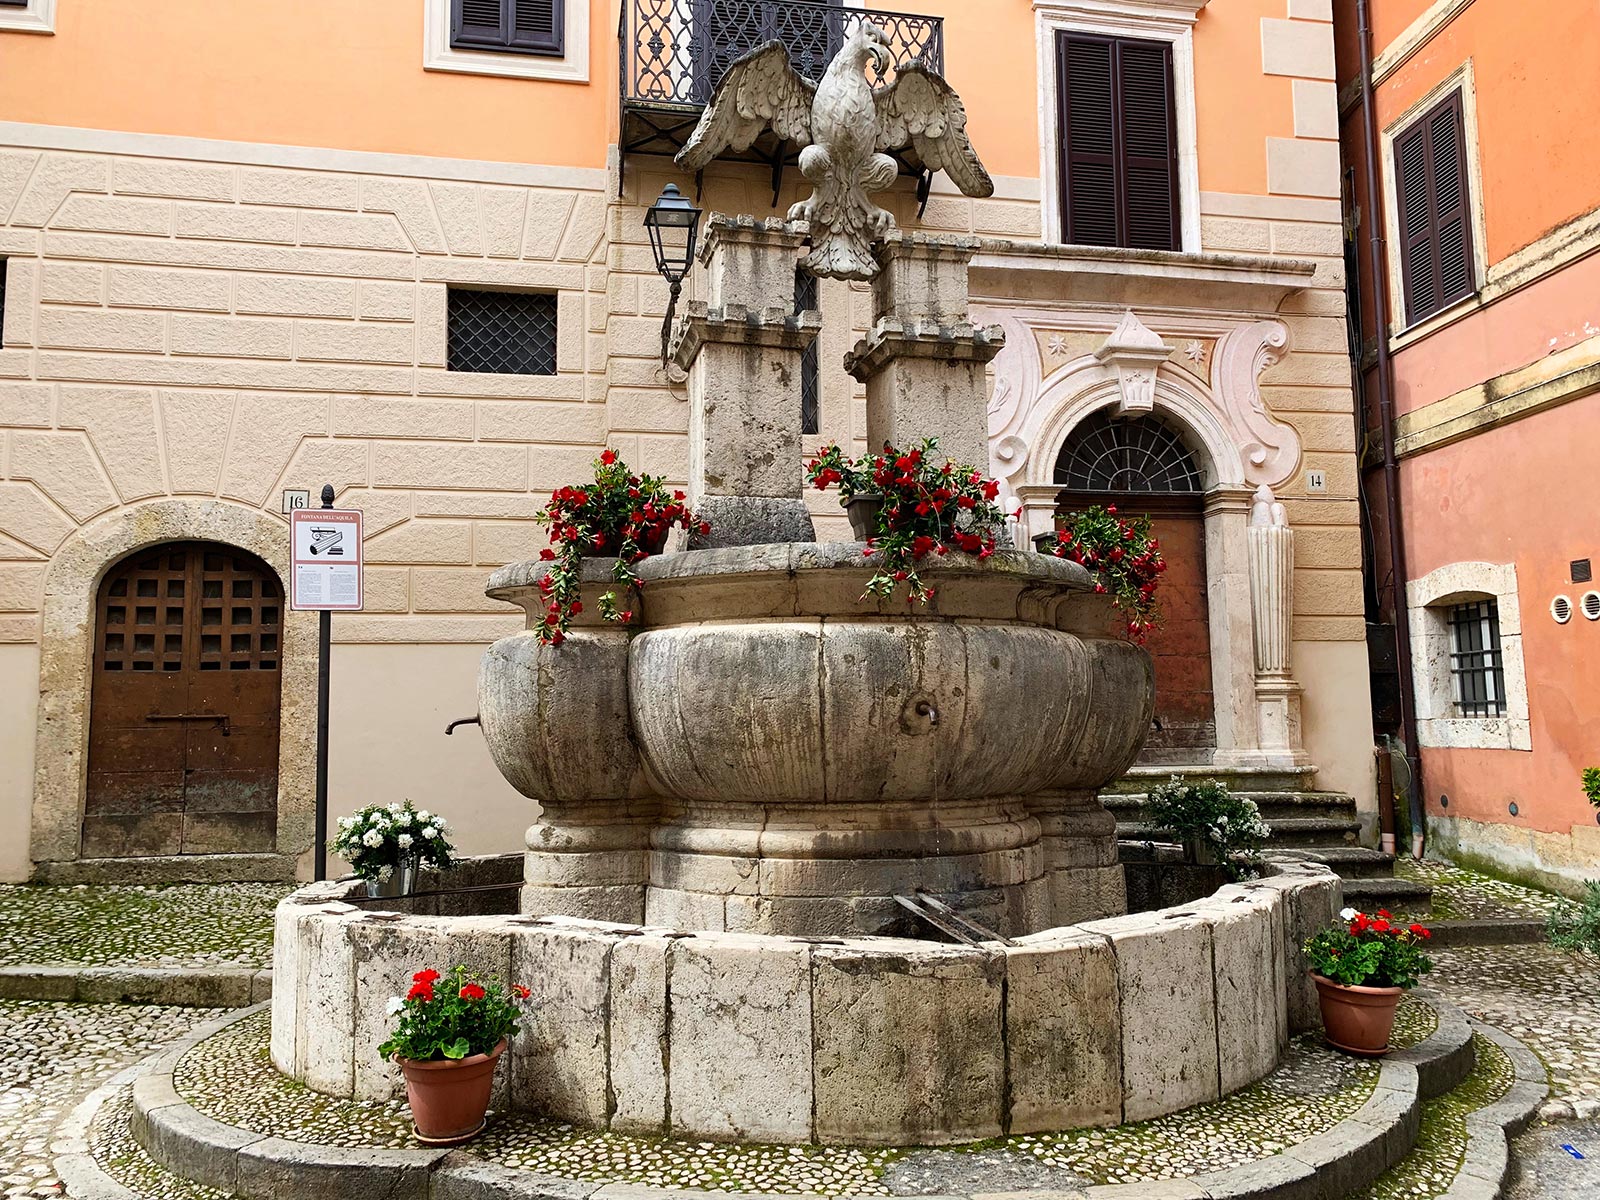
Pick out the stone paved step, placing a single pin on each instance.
(1296, 833)
(1274, 806)
(1370, 892)
(1139, 778)
(1354, 864)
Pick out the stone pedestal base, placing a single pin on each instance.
(751, 521)
(1079, 839)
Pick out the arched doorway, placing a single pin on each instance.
(184, 705)
(1141, 465)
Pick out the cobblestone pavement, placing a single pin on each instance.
(1431, 1166)
(229, 1077)
(213, 925)
(51, 1056)
(1546, 1167)
(1460, 894)
(1546, 998)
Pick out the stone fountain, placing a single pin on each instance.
(735, 787)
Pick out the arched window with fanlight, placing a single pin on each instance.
(1142, 464)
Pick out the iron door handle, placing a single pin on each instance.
(220, 718)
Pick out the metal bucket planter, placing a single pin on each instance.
(1199, 851)
(401, 882)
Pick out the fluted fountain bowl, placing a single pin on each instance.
(764, 748)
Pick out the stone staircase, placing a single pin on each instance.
(1306, 824)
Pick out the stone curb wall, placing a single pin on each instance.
(861, 1041)
(1331, 1165)
(1486, 1162)
(187, 987)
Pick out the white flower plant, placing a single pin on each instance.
(377, 838)
(1207, 812)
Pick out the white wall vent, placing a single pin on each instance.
(1561, 610)
(1591, 605)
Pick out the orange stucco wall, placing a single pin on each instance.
(1481, 500)
(348, 74)
(1537, 92)
(336, 73)
(1560, 310)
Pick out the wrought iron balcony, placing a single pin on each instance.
(673, 53)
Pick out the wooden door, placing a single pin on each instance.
(184, 709)
(1142, 466)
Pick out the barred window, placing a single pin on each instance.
(1479, 680)
(805, 298)
(506, 333)
(2, 301)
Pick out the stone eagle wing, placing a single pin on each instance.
(761, 90)
(922, 112)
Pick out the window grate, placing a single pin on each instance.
(2, 302)
(1581, 570)
(805, 299)
(1475, 666)
(504, 333)
(1136, 454)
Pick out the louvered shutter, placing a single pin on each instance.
(520, 26)
(1118, 142)
(1436, 263)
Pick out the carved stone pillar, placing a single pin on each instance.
(1272, 618)
(924, 362)
(741, 348)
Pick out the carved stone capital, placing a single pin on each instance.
(891, 339)
(774, 328)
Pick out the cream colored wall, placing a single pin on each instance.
(1336, 710)
(19, 703)
(390, 704)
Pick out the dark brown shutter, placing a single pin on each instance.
(1435, 211)
(1119, 176)
(520, 26)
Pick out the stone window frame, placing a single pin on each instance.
(1429, 600)
(1402, 333)
(36, 16)
(1152, 20)
(570, 67)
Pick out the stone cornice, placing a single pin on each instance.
(777, 328)
(891, 339)
(1005, 270)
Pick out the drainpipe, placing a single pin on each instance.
(1391, 470)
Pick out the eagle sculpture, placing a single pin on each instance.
(843, 126)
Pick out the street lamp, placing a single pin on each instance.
(674, 225)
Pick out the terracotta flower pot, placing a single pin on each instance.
(1358, 1019)
(449, 1097)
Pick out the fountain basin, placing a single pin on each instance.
(767, 750)
(870, 1041)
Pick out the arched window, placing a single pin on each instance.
(1142, 455)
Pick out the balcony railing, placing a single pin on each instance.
(675, 52)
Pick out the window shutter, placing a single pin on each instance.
(520, 26)
(1119, 180)
(1435, 211)
(1087, 110)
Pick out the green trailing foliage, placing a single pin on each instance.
(1576, 926)
(1591, 785)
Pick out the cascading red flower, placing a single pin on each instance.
(1122, 555)
(620, 514)
(930, 506)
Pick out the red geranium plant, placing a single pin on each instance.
(621, 515)
(1366, 951)
(451, 1016)
(931, 505)
(1123, 557)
